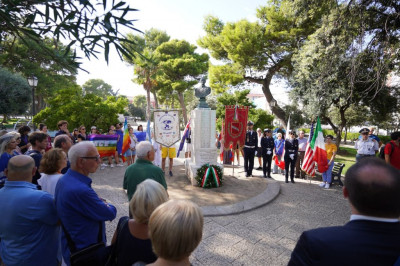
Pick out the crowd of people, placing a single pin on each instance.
(54, 217)
(272, 150)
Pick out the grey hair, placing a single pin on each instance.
(79, 150)
(143, 148)
(5, 140)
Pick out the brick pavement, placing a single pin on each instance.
(263, 236)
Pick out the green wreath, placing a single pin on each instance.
(211, 180)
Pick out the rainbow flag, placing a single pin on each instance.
(126, 140)
(106, 145)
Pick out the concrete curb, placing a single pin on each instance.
(268, 195)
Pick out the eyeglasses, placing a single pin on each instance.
(92, 157)
(83, 128)
(365, 133)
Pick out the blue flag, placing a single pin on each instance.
(184, 137)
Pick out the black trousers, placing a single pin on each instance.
(291, 163)
(267, 162)
(249, 154)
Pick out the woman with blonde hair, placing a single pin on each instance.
(176, 229)
(50, 168)
(131, 239)
(8, 143)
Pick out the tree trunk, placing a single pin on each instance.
(4, 118)
(345, 135)
(266, 82)
(183, 106)
(155, 99)
(148, 113)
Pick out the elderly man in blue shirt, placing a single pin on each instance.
(81, 211)
(28, 228)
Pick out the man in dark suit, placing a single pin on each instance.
(372, 237)
(250, 146)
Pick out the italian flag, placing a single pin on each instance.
(318, 146)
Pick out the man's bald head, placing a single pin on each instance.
(373, 188)
(20, 168)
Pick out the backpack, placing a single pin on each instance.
(382, 150)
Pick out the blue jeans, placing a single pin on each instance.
(327, 176)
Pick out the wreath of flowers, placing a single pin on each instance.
(209, 176)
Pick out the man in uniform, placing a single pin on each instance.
(267, 145)
(366, 147)
(250, 146)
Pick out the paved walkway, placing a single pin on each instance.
(265, 235)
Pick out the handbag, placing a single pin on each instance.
(113, 257)
(92, 255)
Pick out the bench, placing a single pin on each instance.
(336, 172)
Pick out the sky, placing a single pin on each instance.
(181, 19)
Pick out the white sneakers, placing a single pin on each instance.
(120, 164)
(324, 185)
(112, 165)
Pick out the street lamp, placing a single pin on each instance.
(272, 103)
(33, 81)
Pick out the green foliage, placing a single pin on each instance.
(137, 112)
(146, 64)
(91, 25)
(256, 52)
(262, 119)
(27, 58)
(297, 117)
(15, 93)
(98, 87)
(138, 106)
(210, 182)
(331, 78)
(78, 109)
(179, 66)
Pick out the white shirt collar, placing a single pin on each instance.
(354, 217)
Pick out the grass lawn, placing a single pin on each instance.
(10, 122)
(347, 156)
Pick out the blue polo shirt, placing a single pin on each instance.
(80, 211)
(28, 225)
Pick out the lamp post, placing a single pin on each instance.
(33, 81)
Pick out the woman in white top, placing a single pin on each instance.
(50, 168)
(131, 152)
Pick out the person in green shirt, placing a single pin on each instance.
(142, 169)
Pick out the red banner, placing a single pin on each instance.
(235, 125)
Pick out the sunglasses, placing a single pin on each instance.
(92, 157)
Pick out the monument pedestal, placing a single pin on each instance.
(203, 142)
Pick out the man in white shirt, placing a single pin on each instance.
(366, 146)
(300, 155)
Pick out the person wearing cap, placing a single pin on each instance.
(267, 146)
(250, 146)
(259, 150)
(291, 149)
(366, 147)
(371, 135)
(93, 130)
